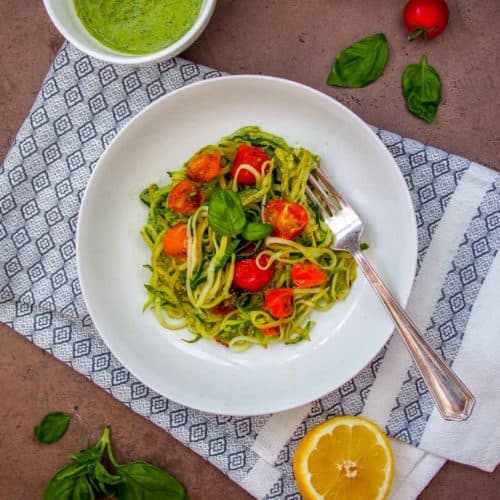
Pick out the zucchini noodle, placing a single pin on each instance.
(195, 290)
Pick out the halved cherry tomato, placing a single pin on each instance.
(289, 219)
(204, 167)
(426, 18)
(279, 302)
(248, 155)
(249, 276)
(175, 241)
(271, 331)
(307, 275)
(185, 198)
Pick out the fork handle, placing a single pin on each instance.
(453, 399)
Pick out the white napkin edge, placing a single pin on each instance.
(477, 440)
(414, 469)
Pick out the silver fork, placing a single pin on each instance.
(453, 399)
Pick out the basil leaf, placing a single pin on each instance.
(422, 90)
(361, 63)
(83, 490)
(143, 481)
(257, 231)
(52, 427)
(90, 455)
(71, 471)
(226, 214)
(68, 488)
(105, 480)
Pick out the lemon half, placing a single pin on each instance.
(344, 458)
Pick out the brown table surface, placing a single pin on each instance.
(258, 36)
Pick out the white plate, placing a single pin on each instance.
(110, 251)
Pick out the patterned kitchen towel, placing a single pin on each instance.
(81, 106)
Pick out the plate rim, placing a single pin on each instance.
(246, 77)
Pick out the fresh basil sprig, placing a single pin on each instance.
(87, 475)
(257, 231)
(422, 90)
(226, 214)
(52, 427)
(361, 63)
(227, 217)
(68, 484)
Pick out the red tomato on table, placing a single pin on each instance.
(427, 18)
(279, 302)
(248, 155)
(289, 219)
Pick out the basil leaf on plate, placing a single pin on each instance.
(257, 231)
(361, 63)
(143, 481)
(422, 90)
(226, 214)
(52, 427)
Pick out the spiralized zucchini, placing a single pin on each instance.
(183, 292)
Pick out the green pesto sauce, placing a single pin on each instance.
(137, 26)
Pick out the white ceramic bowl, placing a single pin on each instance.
(111, 253)
(64, 17)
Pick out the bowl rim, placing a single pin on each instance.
(209, 408)
(173, 50)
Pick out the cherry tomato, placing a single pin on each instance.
(185, 198)
(279, 302)
(204, 167)
(427, 18)
(271, 331)
(249, 276)
(289, 219)
(307, 275)
(248, 155)
(175, 241)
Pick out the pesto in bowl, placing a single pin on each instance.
(137, 26)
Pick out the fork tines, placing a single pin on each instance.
(321, 192)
